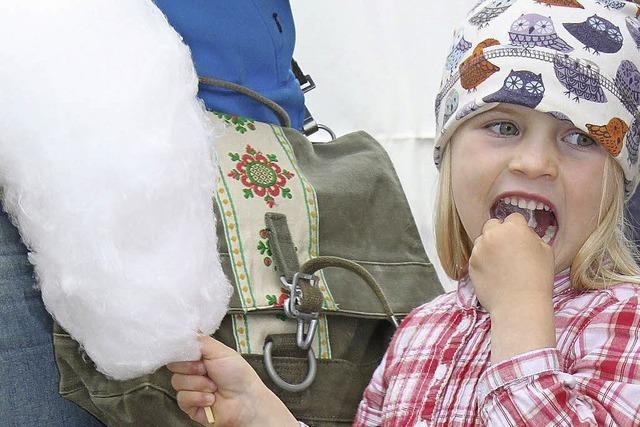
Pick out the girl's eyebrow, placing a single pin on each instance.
(502, 108)
(511, 113)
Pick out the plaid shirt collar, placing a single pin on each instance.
(466, 295)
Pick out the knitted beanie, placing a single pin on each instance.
(578, 60)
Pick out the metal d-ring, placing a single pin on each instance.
(294, 388)
(328, 130)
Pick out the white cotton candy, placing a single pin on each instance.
(107, 169)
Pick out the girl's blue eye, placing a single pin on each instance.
(580, 139)
(504, 129)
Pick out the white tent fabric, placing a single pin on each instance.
(377, 65)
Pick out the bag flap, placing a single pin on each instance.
(341, 198)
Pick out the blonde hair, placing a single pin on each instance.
(606, 257)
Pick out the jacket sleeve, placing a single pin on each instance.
(601, 386)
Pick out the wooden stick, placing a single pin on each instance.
(209, 413)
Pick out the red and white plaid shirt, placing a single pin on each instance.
(437, 371)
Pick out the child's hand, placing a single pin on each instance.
(512, 271)
(224, 381)
(510, 265)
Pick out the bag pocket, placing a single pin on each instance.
(150, 400)
(144, 401)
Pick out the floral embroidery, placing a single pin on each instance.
(261, 175)
(278, 302)
(240, 124)
(264, 248)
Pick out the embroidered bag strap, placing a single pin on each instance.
(286, 262)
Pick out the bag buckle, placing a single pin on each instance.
(307, 323)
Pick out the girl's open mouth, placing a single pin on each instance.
(539, 216)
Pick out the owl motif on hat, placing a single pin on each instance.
(611, 135)
(580, 77)
(485, 15)
(633, 140)
(597, 34)
(475, 7)
(450, 105)
(628, 82)
(633, 25)
(611, 4)
(533, 30)
(476, 69)
(520, 87)
(563, 3)
(460, 47)
(467, 109)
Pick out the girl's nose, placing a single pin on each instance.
(535, 157)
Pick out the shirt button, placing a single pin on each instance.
(421, 423)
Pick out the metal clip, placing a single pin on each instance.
(307, 322)
(307, 325)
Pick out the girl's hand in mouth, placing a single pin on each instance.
(512, 270)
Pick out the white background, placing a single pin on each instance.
(377, 65)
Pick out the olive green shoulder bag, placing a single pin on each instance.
(325, 256)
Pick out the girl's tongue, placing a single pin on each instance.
(543, 222)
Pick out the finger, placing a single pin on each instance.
(188, 368)
(213, 349)
(201, 383)
(493, 222)
(190, 401)
(516, 218)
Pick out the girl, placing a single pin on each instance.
(538, 134)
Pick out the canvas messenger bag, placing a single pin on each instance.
(325, 222)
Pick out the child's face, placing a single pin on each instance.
(533, 159)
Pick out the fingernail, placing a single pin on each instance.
(210, 399)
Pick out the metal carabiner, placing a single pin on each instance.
(304, 339)
(295, 295)
(294, 388)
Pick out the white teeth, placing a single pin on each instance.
(525, 204)
(548, 235)
(532, 205)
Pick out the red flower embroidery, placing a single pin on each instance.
(278, 302)
(261, 174)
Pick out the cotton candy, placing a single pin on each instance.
(108, 171)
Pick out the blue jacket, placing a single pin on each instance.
(249, 42)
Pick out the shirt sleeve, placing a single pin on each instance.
(600, 385)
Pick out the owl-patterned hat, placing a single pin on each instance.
(578, 60)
